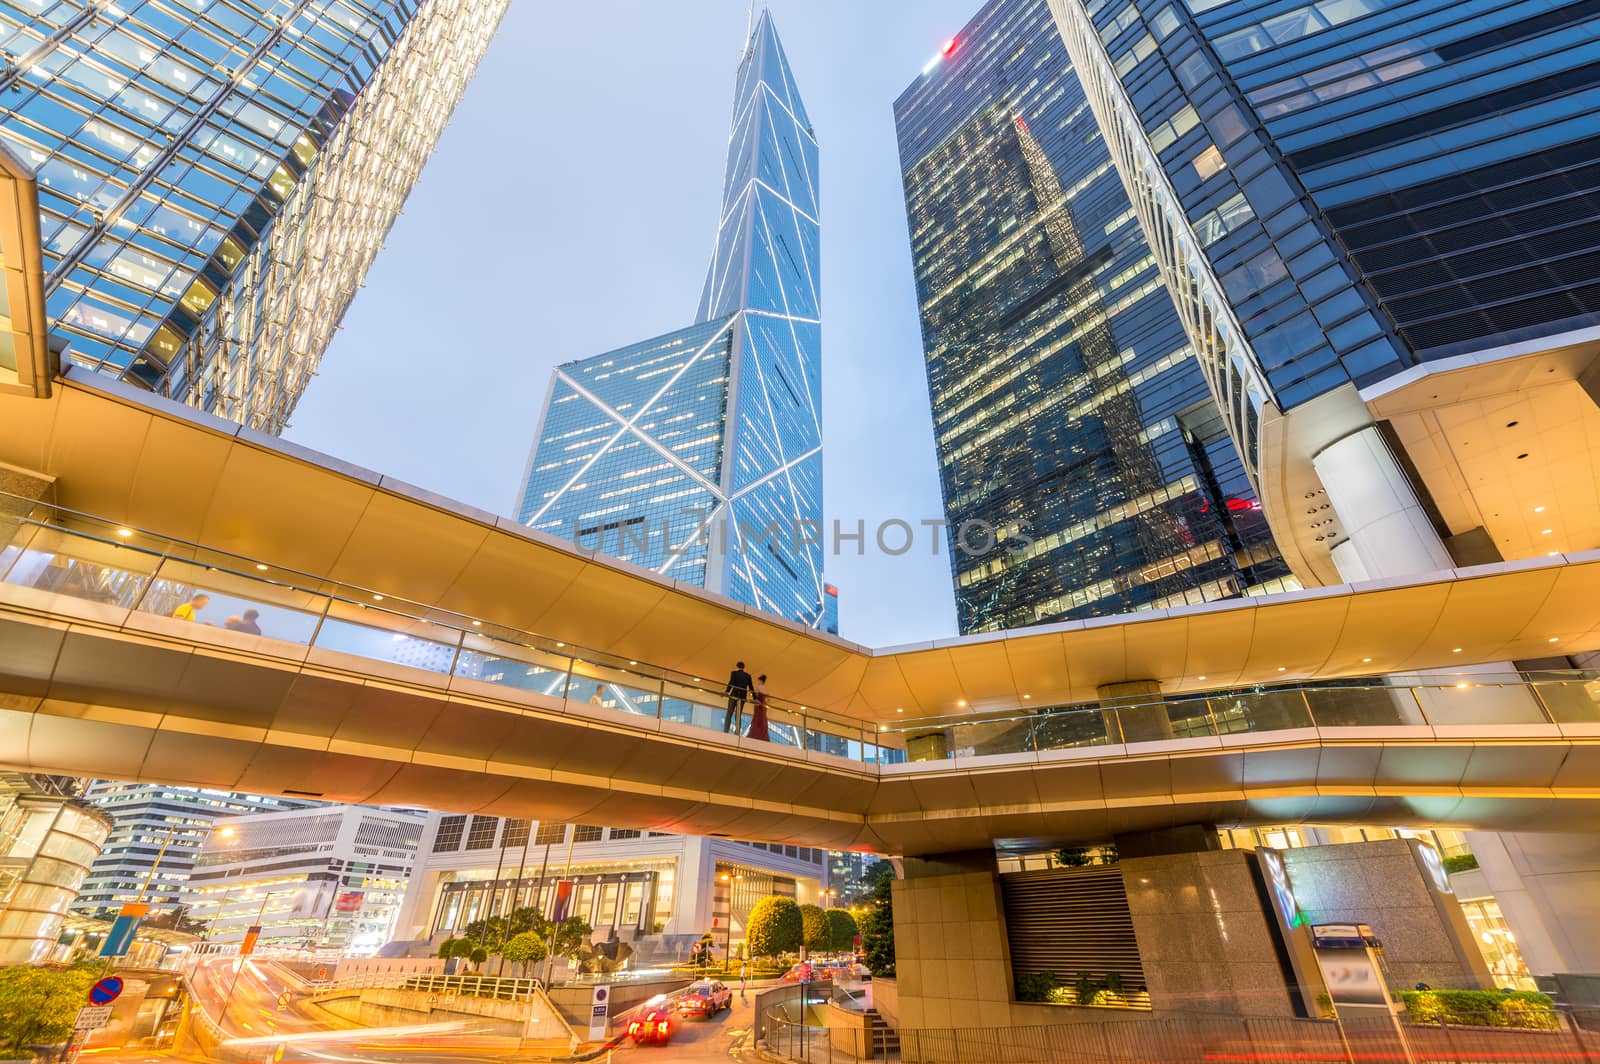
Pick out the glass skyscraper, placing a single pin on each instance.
(215, 176)
(698, 454)
(1347, 197)
(1070, 415)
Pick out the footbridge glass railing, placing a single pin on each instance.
(215, 596)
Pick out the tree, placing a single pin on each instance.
(775, 926)
(524, 949)
(38, 1004)
(841, 930)
(814, 927)
(877, 926)
(478, 956)
(449, 946)
(572, 934)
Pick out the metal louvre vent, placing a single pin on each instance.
(1071, 920)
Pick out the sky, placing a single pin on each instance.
(570, 208)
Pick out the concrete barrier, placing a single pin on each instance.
(535, 1021)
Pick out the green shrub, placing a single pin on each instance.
(1481, 1008)
(775, 926)
(1460, 862)
(38, 1003)
(1038, 986)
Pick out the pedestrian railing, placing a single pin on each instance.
(488, 986)
(1194, 1040)
(258, 607)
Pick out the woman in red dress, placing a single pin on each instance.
(758, 716)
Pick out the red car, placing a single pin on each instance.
(654, 1026)
(705, 998)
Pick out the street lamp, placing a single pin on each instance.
(727, 941)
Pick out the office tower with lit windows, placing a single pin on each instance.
(156, 833)
(1380, 222)
(213, 180)
(698, 454)
(1070, 414)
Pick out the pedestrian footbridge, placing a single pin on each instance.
(365, 641)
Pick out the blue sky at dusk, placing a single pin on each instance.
(570, 209)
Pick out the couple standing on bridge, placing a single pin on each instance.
(741, 690)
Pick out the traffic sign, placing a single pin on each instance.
(92, 1018)
(105, 991)
(283, 999)
(599, 1010)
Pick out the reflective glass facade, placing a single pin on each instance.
(214, 176)
(1070, 414)
(698, 454)
(1371, 184)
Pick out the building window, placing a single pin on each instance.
(624, 833)
(481, 835)
(516, 833)
(633, 903)
(449, 836)
(588, 833)
(550, 833)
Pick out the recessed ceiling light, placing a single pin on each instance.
(477, 624)
(1463, 684)
(377, 598)
(899, 709)
(1026, 697)
(883, 727)
(263, 568)
(561, 644)
(1551, 553)
(1554, 639)
(961, 702)
(1538, 509)
(633, 663)
(124, 532)
(1455, 650)
(1282, 669)
(1546, 531)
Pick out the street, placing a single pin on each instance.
(719, 1038)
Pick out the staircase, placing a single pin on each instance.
(882, 1038)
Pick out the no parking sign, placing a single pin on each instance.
(599, 1011)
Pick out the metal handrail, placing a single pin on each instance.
(332, 611)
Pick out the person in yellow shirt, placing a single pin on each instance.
(187, 611)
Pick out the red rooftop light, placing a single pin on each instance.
(949, 46)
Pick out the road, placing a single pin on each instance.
(720, 1038)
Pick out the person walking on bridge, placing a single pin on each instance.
(758, 715)
(738, 692)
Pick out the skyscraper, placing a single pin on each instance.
(1350, 200)
(698, 453)
(1380, 221)
(1070, 415)
(156, 833)
(213, 180)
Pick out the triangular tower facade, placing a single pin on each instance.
(698, 454)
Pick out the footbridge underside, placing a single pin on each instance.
(99, 690)
(184, 601)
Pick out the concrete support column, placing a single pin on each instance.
(1140, 723)
(1548, 888)
(28, 487)
(1390, 534)
(952, 963)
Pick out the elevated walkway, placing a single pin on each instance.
(408, 651)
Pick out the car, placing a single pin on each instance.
(651, 1027)
(705, 998)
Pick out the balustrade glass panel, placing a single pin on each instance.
(510, 665)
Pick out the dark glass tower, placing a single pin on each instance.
(698, 454)
(1069, 411)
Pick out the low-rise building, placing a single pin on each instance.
(327, 880)
(658, 892)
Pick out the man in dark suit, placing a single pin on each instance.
(738, 691)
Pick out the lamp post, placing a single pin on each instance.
(243, 957)
(727, 940)
(229, 837)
